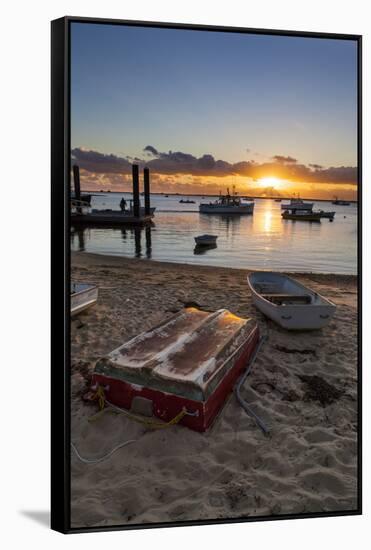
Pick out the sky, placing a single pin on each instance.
(269, 114)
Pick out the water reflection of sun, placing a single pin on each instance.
(267, 221)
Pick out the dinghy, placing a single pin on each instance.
(289, 303)
(188, 364)
(83, 296)
(206, 240)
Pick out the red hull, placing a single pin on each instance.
(166, 405)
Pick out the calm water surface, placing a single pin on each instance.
(260, 241)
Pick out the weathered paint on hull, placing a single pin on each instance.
(167, 405)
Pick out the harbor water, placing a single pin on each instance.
(259, 241)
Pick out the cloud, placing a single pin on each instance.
(151, 150)
(284, 160)
(178, 162)
(93, 161)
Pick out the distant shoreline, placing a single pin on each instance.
(180, 195)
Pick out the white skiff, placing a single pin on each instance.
(206, 240)
(289, 303)
(82, 297)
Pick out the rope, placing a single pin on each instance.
(246, 407)
(100, 396)
(104, 457)
(102, 401)
(150, 423)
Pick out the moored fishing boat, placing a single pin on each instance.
(302, 215)
(329, 215)
(83, 296)
(297, 204)
(289, 303)
(340, 202)
(227, 204)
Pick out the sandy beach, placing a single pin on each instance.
(303, 385)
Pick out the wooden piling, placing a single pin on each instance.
(136, 199)
(147, 198)
(76, 181)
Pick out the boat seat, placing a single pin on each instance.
(267, 287)
(282, 298)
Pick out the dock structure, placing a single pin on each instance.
(136, 198)
(76, 180)
(135, 216)
(147, 200)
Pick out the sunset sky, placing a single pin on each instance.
(270, 114)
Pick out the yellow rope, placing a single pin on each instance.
(153, 424)
(100, 396)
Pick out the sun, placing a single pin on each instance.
(270, 182)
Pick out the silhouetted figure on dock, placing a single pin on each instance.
(123, 204)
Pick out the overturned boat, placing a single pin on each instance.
(83, 296)
(188, 363)
(289, 303)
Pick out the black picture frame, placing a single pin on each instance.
(60, 269)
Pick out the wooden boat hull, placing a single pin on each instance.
(200, 383)
(293, 312)
(83, 296)
(301, 217)
(230, 210)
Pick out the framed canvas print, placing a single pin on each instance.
(206, 218)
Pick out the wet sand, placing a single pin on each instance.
(303, 385)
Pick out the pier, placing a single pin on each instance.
(81, 214)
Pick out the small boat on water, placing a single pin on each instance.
(206, 240)
(340, 202)
(289, 303)
(227, 204)
(329, 215)
(302, 215)
(83, 296)
(297, 204)
(202, 249)
(277, 200)
(187, 201)
(84, 197)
